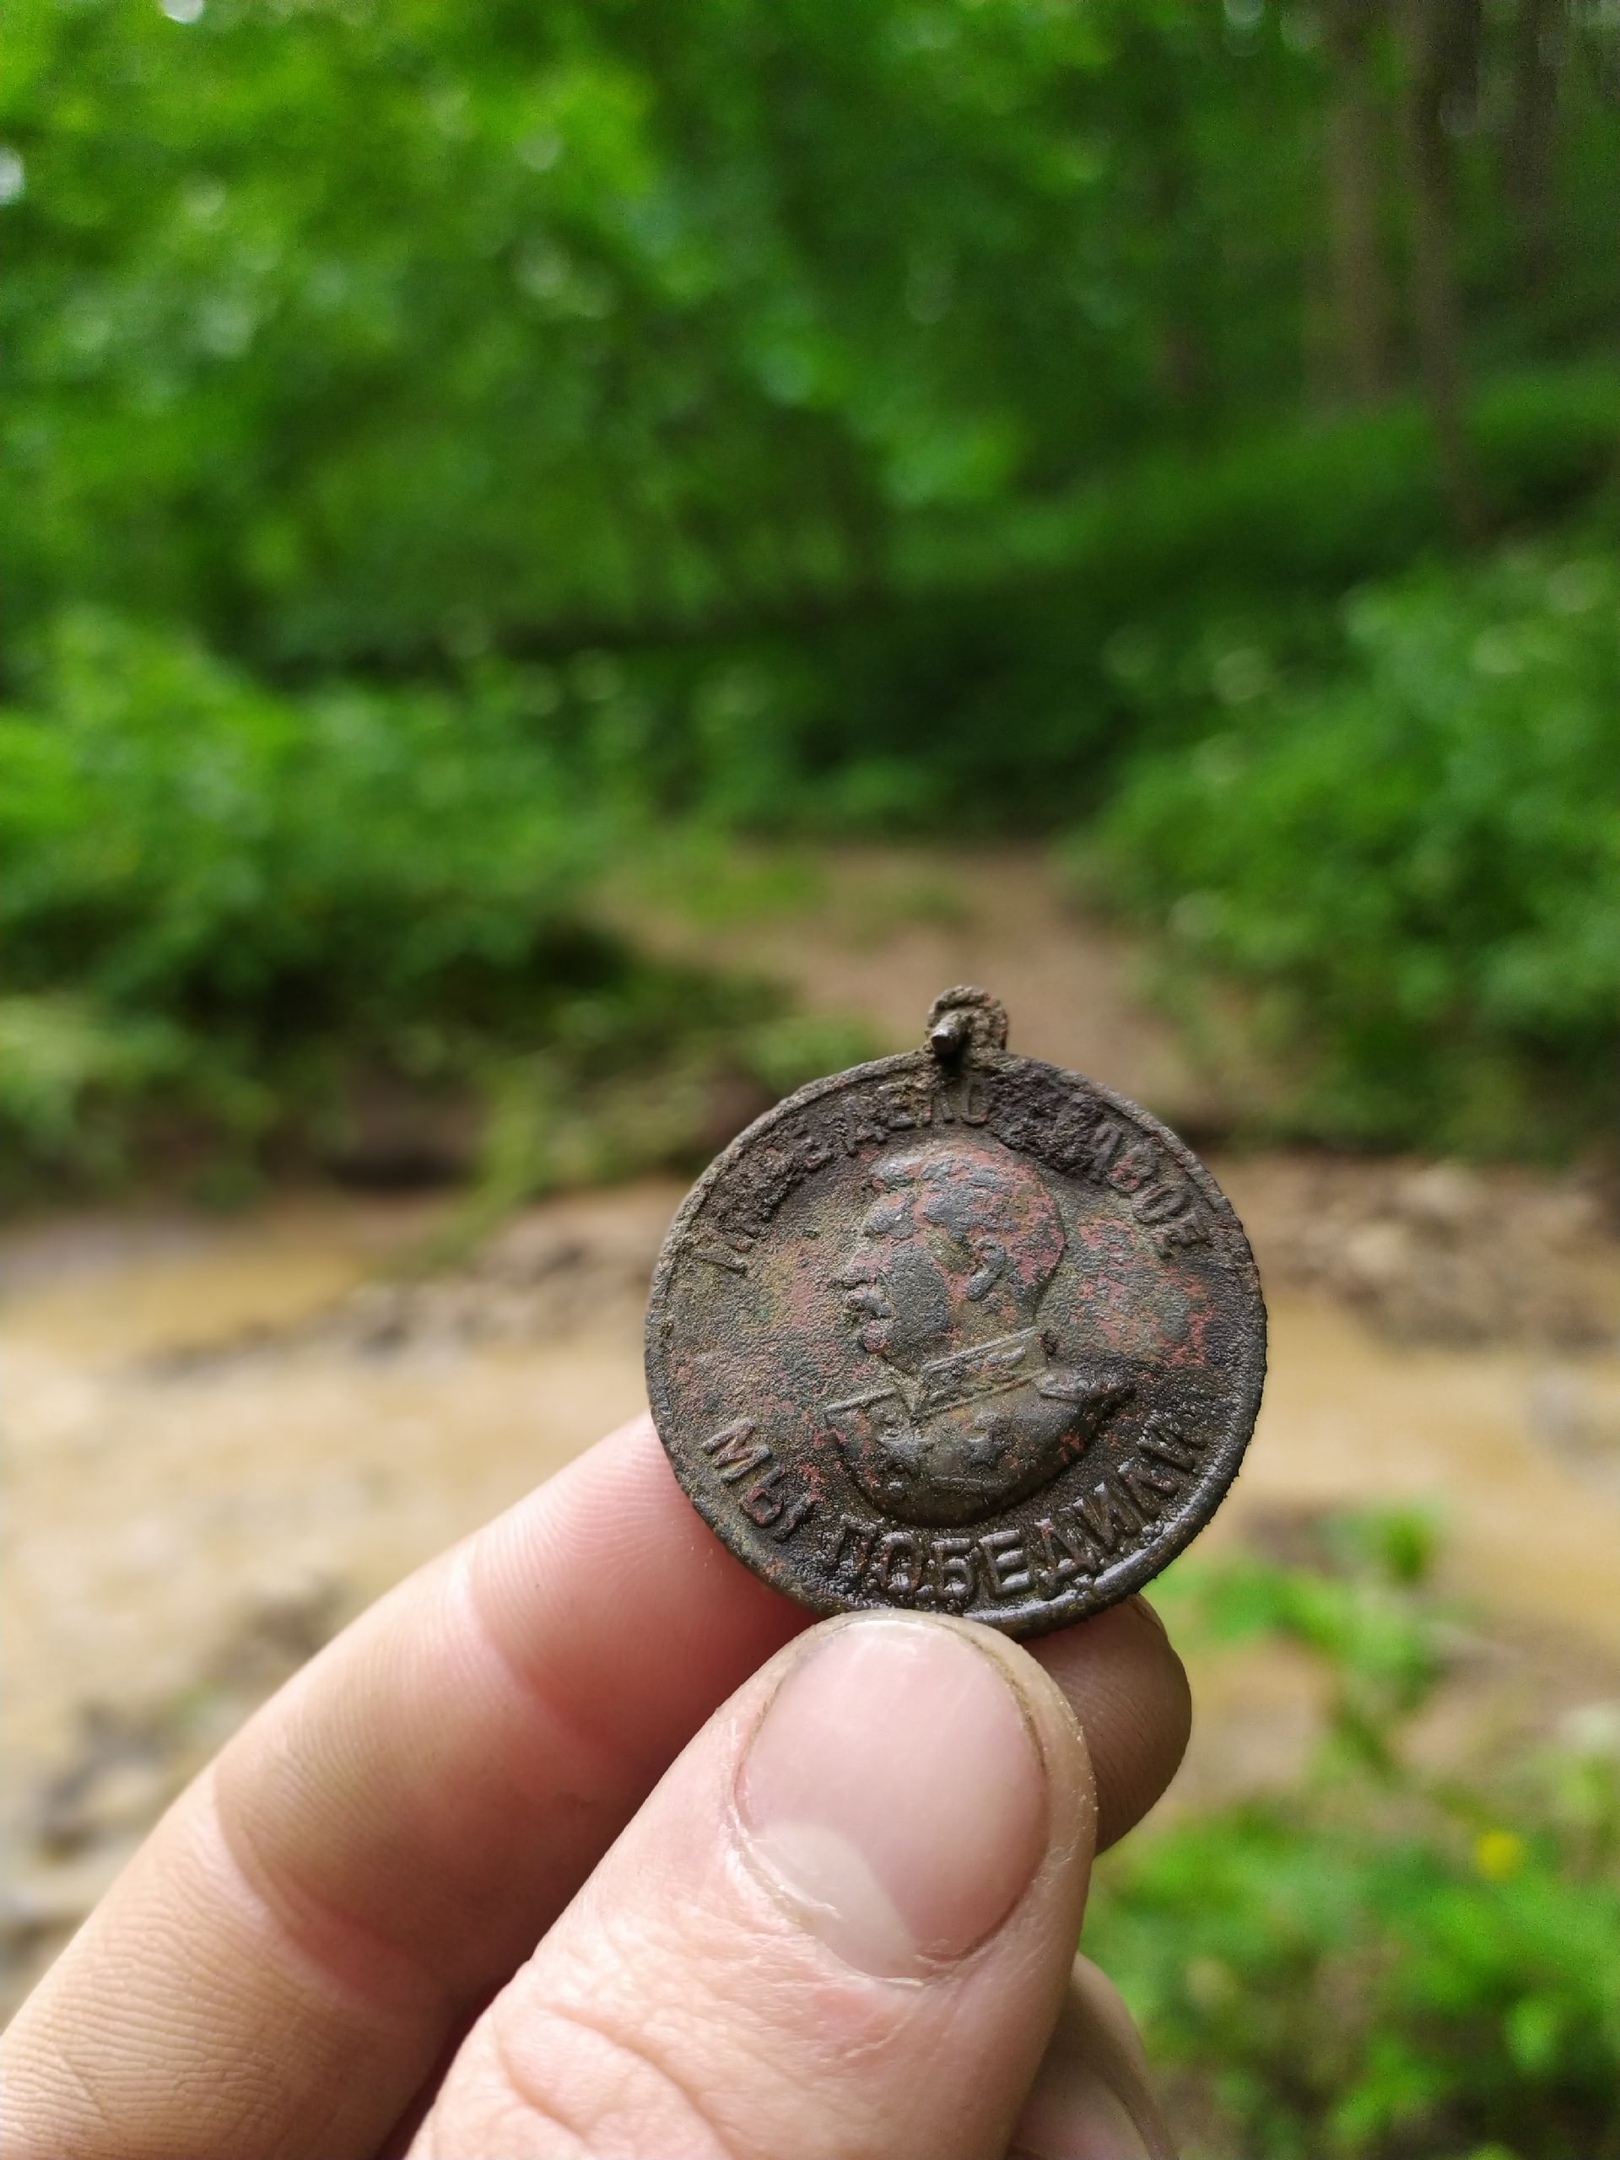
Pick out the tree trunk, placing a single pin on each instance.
(1540, 29)
(1359, 285)
(1441, 39)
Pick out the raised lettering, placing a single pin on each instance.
(952, 1571)
(896, 1566)
(897, 1104)
(796, 1514)
(1192, 1228)
(1006, 1564)
(1149, 1488)
(1159, 1202)
(736, 1451)
(859, 1131)
(1107, 1516)
(850, 1538)
(1129, 1172)
(718, 1256)
(735, 1226)
(1107, 1138)
(1064, 1550)
(810, 1148)
(966, 1101)
(759, 1503)
(1163, 1437)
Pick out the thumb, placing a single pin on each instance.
(841, 1926)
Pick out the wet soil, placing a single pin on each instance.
(225, 1437)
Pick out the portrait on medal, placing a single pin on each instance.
(970, 1406)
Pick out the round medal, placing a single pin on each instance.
(956, 1330)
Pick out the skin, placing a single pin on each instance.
(517, 1866)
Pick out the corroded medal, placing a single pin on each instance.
(960, 1331)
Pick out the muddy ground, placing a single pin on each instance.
(224, 1436)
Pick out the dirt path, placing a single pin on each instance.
(224, 1437)
(876, 933)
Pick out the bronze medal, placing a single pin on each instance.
(959, 1331)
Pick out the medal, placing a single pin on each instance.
(957, 1331)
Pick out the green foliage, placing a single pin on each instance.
(372, 335)
(260, 899)
(68, 1073)
(1414, 866)
(1350, 1990)
(1358, 1616)
(647, 1106)
(180, 838)
(797, 1047)
(1377, 1966)
(448, 444)
(397, 331)
(998, 686)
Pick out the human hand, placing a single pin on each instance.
(798, 1894)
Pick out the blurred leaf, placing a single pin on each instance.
(1417, 861)
(1374, 1966)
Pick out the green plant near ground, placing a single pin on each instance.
(1409, 866)
(225, 908)
(1379, 1965)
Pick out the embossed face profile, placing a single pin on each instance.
(957, 1249)
(943, 1284)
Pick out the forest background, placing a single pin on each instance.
(453, 451)
(462, 457)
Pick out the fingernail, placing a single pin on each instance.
(894, 1793)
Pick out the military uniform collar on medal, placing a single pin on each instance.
(957, 1331)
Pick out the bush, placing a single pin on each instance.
(1412, 868)
(1378, 1966)
(182, 839)
(1346, 1988)
(225, 909)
